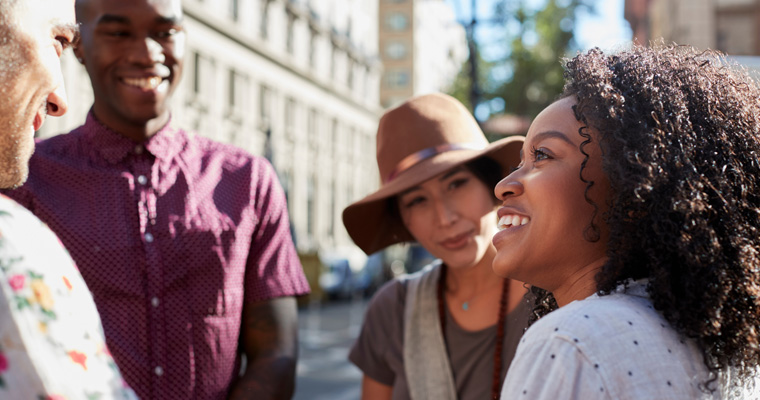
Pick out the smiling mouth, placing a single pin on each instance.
(509, 221)
(38, 120)
(39, 116)
(457, 241)
(150, 83)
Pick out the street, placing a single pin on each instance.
(326, 332)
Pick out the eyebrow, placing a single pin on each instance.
(407, 191)
(552, 135)
(112, 19)
(450, 173)
(119, 19)
(169, 20)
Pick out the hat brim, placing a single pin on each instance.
(369, 222)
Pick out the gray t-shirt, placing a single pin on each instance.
(378, 351)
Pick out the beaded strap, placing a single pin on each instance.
(496, 381)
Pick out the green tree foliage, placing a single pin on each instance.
(537, 43)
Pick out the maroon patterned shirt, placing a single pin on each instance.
(172, 236)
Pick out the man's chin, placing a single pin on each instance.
(14, 179)
(143, 116)
(14, 169)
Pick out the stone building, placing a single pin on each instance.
(732, 26)
(293, 80)
(422, 47)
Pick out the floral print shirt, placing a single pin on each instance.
(51, 342)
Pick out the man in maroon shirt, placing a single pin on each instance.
(184, 242)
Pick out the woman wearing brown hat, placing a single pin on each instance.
(450, 330)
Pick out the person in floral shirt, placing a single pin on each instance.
(51, 341)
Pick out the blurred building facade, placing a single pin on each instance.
(422, 47)
(731, 26)
(296, 81)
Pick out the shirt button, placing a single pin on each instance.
(138, 149)
(142, 179)
(148, 238)
(154, 301)
(159, 371)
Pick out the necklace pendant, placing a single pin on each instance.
(466, 305)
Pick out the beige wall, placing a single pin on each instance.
(435, 48)
(732, 26)
(397, 82)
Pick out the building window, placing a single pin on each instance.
(237, 90)
(334, 134)
(265, 106)
(397, 79)
(312, 47)
(264, 21)
(396, 21)
(196, 73)
(203, 75)
(334, 141)
(395, 50)
(311, 205)
(284, 177)
(313, 131)
(232, 100)
(350, 77)
(365, 82)
(235, 9)
(333, 206)
(333, 60)
(350, 145)
(289, 33)
(732, 29)
(290, 118)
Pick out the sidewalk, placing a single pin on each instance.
(326, 333)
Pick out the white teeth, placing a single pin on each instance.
(508, 221)
(502, 222)
(144, 83)
(515, 220)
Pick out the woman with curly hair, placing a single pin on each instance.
(641, 187)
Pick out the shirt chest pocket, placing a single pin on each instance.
(213, 284)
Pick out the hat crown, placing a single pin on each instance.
(422, 123)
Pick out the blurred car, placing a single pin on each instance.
(337, 279)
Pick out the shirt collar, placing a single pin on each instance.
(114, 148)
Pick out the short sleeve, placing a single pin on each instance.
(273, 268)
(51, 339)
(552, 367)
(379, 341)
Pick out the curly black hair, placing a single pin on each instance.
(679, 131)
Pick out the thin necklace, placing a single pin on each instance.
(496, 381)
(466, 304)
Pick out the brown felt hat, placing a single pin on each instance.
(423, 137)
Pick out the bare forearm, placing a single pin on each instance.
(271, 378)
(269, 336)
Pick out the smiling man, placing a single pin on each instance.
(184, 242)
(30, 77)
(51, 340)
